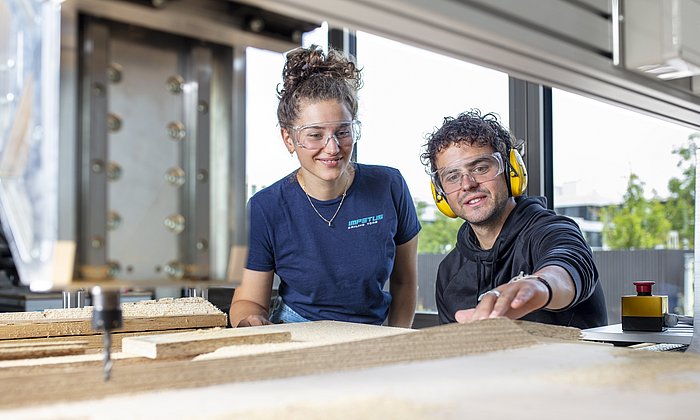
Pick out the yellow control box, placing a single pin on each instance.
(644, 312)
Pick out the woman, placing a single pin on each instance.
(334, 231)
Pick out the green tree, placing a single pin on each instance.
(681, 203)
(637, 223)
(437, 236)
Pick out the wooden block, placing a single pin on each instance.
(189, 344)
(14, 351)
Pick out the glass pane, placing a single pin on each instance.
(623, 176)
(407, 92)
(267, 160)
(28, 153)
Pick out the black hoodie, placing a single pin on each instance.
(532, 237)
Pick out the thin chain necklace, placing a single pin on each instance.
(308, 197)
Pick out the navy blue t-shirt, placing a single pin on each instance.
(338, 272)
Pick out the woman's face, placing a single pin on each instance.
(320, 147)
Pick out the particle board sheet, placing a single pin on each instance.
(307, 334)
(553, 380)
(189, 344)
(163, 314)
(555, 332)
(360, 352)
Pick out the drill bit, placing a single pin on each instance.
(107, 367)
(106, 316)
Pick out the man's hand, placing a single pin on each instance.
(254, 321)
(512, 300)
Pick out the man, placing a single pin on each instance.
(514, 257)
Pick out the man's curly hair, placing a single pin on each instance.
(470, 128)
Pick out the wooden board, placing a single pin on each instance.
(189, 344)
(84, 327)
(48, 365)
(94, 343)
(160, 315)
(14, 351)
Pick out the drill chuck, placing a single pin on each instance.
(107, 312)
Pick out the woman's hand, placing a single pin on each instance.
(253, 321)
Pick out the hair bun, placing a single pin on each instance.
(311, 75)
(305, 63)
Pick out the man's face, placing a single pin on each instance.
(478, 203)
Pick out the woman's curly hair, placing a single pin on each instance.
(470, 128)
(311, 75)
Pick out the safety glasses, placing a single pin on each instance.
(316, 136)
(476, 170)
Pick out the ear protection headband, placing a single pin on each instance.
(516, 178)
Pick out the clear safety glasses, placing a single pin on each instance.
(477, 170)
(316, 136)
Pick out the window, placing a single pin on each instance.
(407, 92)
(614, 164)
(267, 160)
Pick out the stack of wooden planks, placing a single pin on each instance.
(56, 332)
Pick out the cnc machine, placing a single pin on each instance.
(122, 160)
(123, 138)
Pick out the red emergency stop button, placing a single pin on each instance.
(644, 287)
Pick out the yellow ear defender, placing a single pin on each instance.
(441, 202)
(517, 178)
(517, 174)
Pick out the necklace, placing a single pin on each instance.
(308, 197)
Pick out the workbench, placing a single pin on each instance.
(494, 368)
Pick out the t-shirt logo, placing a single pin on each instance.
(365, 221)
